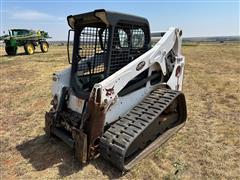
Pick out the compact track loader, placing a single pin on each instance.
(120, 98)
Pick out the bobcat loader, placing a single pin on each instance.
(120, 98)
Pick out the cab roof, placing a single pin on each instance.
(102, 16)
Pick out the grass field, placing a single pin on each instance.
(208, 147)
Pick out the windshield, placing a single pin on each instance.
(20, 32)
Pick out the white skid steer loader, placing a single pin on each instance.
(120, 98)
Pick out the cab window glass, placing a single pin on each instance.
(137, 38)
(123, 38)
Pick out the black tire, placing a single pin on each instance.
(44, 46)
(29, 48)
(11, 50)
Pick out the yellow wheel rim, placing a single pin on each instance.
(30, 49)
(45, 47)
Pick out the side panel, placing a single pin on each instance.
(60, 80)
(124, 104)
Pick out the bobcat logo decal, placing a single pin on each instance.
(109, 91)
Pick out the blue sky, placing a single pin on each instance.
(196, 18)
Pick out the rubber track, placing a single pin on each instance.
(115, 141)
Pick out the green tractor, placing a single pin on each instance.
(27, 38)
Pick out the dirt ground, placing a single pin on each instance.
(208, 147)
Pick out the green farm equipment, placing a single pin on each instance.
(29, 39)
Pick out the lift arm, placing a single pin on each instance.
(105, 92)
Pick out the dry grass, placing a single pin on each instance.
(207, 147)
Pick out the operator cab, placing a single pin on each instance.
(104, 42)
